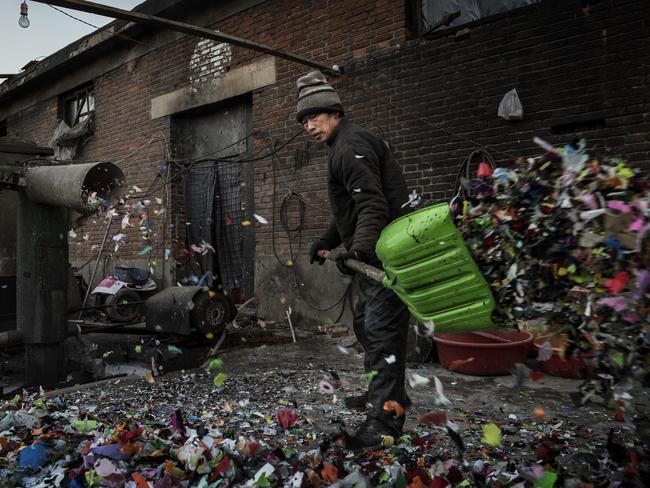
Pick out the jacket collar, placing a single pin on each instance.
(332, 138)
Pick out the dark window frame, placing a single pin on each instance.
(80, 100)
(452, 29)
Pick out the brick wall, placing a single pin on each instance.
(437, 100)
(434, 100)
(125, 134)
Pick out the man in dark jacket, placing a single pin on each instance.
(366, 192)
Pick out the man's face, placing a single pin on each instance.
(321, 126)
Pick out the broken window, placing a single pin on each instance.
(445, 14)
(76, 121)
(78, 105)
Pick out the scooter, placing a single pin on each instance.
(124, 292)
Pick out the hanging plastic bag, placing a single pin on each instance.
(510, 107)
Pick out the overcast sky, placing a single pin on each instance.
(48, 31)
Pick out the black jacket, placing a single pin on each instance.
(366, 189)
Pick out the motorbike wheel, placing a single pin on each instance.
(120, 311)
(211, 314)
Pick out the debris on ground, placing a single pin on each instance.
(559, 238)
(268, 422)
(555, 237)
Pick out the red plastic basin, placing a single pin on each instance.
(574, 366)
(480, 355)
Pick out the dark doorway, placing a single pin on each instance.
(219, 199)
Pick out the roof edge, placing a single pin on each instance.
(109, 33)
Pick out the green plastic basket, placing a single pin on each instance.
(430, 268)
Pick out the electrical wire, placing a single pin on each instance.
(465, 166)
(224, 160)
(275, 252)
(292, 196)
(205, 155)
(94, 26)
(143, 146)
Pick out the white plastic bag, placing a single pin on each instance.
(510, 107)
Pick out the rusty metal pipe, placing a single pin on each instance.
(194, 30)
(74, 186)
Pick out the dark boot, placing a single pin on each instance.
(369, 434)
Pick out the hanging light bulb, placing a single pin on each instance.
(23, 21)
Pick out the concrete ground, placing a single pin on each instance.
(491, 397)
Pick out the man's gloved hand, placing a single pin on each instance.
(319, 245)
(340, 261)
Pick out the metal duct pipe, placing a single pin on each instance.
(42, 256)
(11, 337)
(82, 187)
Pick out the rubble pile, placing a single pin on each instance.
(563, 240)
(277, 428)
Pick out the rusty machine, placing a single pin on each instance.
(39, 199)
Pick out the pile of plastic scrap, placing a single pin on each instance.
(274, 429)
(560, 239)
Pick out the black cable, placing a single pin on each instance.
(85, 264)
(348, 295)
(275, 252)
(284, 220)
(203, 156)
(193, 161)
(465, 166)
(224, 160)
(118, 34)
(297, 230)
(275, 150)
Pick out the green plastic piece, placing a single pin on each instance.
(430, 268)
(547, 480)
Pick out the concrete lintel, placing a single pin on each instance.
(258, 74)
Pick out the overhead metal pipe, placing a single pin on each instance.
(160, 22)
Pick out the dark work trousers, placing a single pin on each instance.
(381, 324)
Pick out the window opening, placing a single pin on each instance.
(446, 14)
(79, 105)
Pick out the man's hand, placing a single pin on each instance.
(319, 245)
(340, 261)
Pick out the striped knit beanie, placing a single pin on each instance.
(315, 96)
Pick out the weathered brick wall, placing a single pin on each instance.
(331, 33)
(434, 100)
(36, 123)
(124, 133)
(437, 100)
